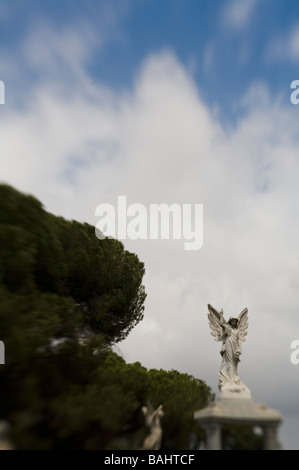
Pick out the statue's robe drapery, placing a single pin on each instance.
(230, 352)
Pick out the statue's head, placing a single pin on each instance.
(233, 322)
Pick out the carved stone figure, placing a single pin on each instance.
(232, 333)
(152, 420)
(5, 440)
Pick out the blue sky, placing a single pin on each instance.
(172, 102)
(225, 45)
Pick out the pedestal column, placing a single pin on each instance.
(270, 440)
(213, 436)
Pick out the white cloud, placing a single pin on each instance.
(69, 49)
(284, 47)
(160, 143)
(237, 14)
(294, 44)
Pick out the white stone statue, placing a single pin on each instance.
(232, 333)
(5, 441)
(152, 420)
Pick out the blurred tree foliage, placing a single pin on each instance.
(50, 261)
(241, 438)
(65, 298)
(180, 394)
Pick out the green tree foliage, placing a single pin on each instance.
(241, 438)
(44, 256)
(59, 388)
(180, 394)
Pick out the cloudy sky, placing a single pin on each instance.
(184, 102)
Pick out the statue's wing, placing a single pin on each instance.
(243, 324)
(214, 322)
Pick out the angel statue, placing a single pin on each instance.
(232, 333)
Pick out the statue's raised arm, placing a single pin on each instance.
(232, 333)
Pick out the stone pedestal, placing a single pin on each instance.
(238, 411)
